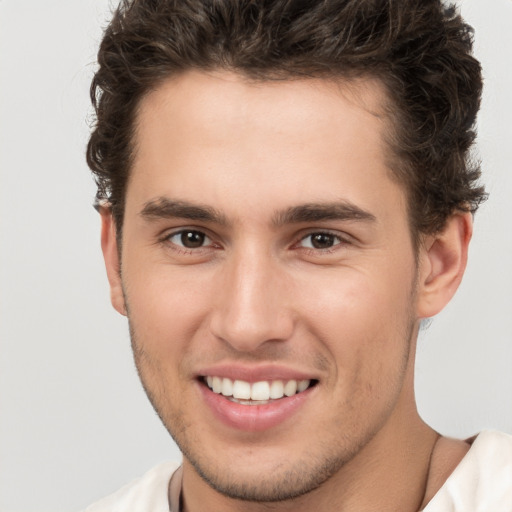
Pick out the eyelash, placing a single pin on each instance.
(337, 239)
(167, 240)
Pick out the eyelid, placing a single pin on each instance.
(333, 235)
(342, 241)
(167, 235)
(171, 235)
(322, 231)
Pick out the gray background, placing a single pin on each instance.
(74, 423)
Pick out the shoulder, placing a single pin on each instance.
(482, 481)
(149, 492)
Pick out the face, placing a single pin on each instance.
(269, 278)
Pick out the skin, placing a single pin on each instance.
(256, 292)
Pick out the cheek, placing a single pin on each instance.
(165, 297)
(166, 311)
(362, 318)
(356, 300)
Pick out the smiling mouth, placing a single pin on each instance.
(256, 393)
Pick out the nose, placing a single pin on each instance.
(253, 304)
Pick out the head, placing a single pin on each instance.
(420, 51)
(287, 192)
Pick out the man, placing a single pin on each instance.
(286, 193)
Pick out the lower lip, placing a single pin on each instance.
(254, 418)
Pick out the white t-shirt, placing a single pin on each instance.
(482, 482)
(150, 493)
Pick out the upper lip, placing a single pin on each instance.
(236, 371)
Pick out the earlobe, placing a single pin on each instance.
(111, 256)
(442, 263)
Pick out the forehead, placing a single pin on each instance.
(230, 101)
(220, 139)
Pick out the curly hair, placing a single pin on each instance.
(419, 50)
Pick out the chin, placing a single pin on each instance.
(256, 485)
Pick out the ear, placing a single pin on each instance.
(111, 256)
(442, 261)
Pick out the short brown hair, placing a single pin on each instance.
(420, 50)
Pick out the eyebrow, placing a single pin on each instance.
(165, 208)
(316, 212)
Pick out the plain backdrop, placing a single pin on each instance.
(74, 422)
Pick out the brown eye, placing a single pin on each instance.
(190, 239)
(320, 241)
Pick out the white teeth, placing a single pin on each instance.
(248, 402)
(290, 388)
(302, 385)
(277, 389)
(241, 390)
(217, 384)
(227, 387)
(261, 391)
